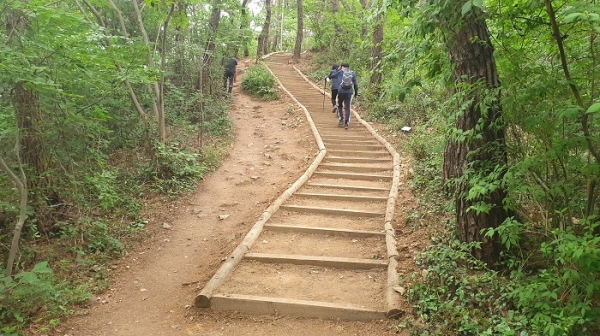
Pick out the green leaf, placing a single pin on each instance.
(466, 7)
(594, 108)
(478, 3)
(573, 17)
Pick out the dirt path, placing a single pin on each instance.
(153, 288)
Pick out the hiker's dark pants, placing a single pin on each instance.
(334, 93)
(228, 76)
(344, 99)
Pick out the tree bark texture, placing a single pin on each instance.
(299, 32)
(264, 34)
(30, 123)
(471, 54)
(209, 50)
(376, 53)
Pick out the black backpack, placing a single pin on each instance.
(346, 80)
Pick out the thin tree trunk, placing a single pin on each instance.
(21, 184)
(299, 32)
(376, 52)
(209, 50)
(154, 86)
(162, 130)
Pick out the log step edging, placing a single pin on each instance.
(323, 261)
(254, 304)
(324, 231)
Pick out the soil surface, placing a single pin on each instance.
(153, 288)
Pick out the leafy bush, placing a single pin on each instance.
(259, 82)
(174, 170)
(454, 291)
(33, 293)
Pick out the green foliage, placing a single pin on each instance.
(561, 299)
(174, 170)
(260, 83)
(455, 292)
(34, 293)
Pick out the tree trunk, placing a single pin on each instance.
(471, 54)
(376, 52)
(244, 27)
(264, 34)
(299, 31)
(20, 182)
(30, 121)
(209, 50)
(162, 129)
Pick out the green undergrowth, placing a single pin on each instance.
(259, 82)
(64, 266)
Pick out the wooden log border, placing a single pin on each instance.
(203, 299)
(392, 297)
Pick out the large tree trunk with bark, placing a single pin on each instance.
(299, 32)
(471, 54)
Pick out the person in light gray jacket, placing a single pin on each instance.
(335, 85)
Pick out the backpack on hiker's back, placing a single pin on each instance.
(346, 80)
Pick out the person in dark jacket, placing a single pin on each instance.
(345, 95)
(229, 75)
(335, 85)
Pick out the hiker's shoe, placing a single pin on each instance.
(346, 126)
(334, 109)
(340, 122)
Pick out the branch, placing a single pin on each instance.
(95, 12)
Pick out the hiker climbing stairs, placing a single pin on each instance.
(325, 248)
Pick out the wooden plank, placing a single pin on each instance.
(341, 141)
(324, 231)
(331, 211)
(352, 176)
(342, 197)
(362, 169)
(370, 154)
(342, 186)
(324, 261)
(252, 304)
(357, 159)
(364, 147)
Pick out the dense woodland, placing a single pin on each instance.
(107, 103)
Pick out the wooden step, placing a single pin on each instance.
(343, 186)
(348, 168)
(324, 231)
(369, 154)
(353, 176)
(342, 197)
(333, 262)
(332, 211)
(253, 304)
(357, 159)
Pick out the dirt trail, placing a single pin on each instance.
(153, 288)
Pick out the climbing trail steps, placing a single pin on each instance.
(324, 251)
